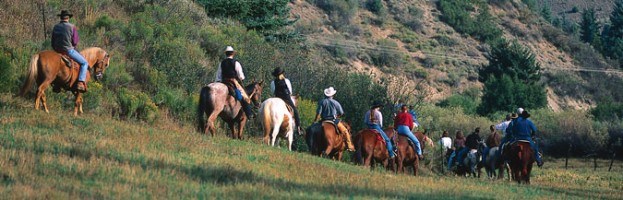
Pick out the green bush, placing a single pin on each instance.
(466, 102)
(261, 15)
(179, 105)
(341, 12)
(389, 56)
(608, 111)
(458, 14)
(374, 6)
(137, 105)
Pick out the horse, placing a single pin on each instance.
(521, 158)
(407, 156)
(324, 140)
(215, 101)
(493, 162)
(471, 161)
(278, 120)
(48, 68)
(370, 148)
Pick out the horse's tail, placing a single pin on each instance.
(266, 119)
(204, 97)
(32, 74)
(358, 149)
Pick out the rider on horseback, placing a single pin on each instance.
(330, 109)
(522, 128)
(404, 124)
(374, 119)
(282, 88)
(64, 41)
(492, 141)
(230, 73)
(471, 142)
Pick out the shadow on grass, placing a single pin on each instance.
(584, 193)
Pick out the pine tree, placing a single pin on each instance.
(616, 20)
(546, 12)
(511, 80)
(589, 27)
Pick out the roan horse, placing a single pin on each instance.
(215, 101)
(407, 156)
(276, 120)
(370, 149)
(48, 68)
(323, 140)
(471, 161)
(521, 158)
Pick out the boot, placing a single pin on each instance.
(247, 110)
(344, 131)
(539, 160)
(81, 87)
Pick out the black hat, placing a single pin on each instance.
(525, 114)
(278, 71)
(377, 104)
(65, 13)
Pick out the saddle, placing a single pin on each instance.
(67, 60)
(504, 147)
(330, 121)
(378, 135)
(230, 87)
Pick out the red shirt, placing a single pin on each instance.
(404, 119)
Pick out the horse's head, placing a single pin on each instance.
(255, 92)
(98, 60)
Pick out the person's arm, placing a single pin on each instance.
(380, 116)
(218, 74)
(533, 128)
(499, 126)
(239, 71)
(289, 86)
(272, 87)
(75, 38)
(339, 109)
(318, 111)
(410, 122)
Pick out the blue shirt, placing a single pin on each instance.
(413, 114)
(522, 128)
(329, 108)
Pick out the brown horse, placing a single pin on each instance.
(323, 140)
(407, 156)
(521, 158)
(215, 101)
(48, 68)
(371, 150)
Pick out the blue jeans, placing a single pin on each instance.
(390, 148)
(459, 155)
(484, 154)
(84, 65)
(404, 130)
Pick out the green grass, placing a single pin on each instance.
(59, 156)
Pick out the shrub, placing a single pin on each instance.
(374, 6)
(341, 13)
(389, 56)
(178, 103)
(458, 14)
(137, 105)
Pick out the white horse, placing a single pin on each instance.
(276, 121)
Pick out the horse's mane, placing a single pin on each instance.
(92, 54)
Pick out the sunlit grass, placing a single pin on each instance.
(60, 156)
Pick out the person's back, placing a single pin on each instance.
(472, 140)
(523, 128)
(282, 88)
(329, 108)
(446, 142)
(64, 41)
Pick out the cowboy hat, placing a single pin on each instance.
(329, 92)
(519, 111)
(514, 116)
(278, 71)
(229, 48)
(377, 104)
(525, 114)
(65, 13)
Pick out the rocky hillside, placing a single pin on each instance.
(448, 61)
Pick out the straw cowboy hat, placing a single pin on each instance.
(377, 104)
(278, 71)
(329, 92)
(514, 116)
(65, 13)
(229, 48)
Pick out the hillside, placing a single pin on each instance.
(90, 157)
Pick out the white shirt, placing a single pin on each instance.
(502, 126)
(272, 86)
(238, 69)
(446, 142)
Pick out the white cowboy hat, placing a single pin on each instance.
(519, 111)
(329, 92)
(229, 48)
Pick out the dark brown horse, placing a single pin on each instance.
(215, 101)
(323, 140)
(370, 149)
(48, 68)
(521, 158)
(407, 156)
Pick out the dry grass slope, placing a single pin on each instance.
(62, 157)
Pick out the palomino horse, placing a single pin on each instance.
(407, 156)
(48, 68)
(276, 120)
(324, 140)
(215, 101)
(521, 158)
(370, 148)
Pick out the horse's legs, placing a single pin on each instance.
(232, 129)
(368, 159)
(290, 139)
(339, 156)
(416, 164)
(274, 133)
(78, 104)
(40, 99)
(241, 125)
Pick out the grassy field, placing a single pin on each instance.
(59, 156)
